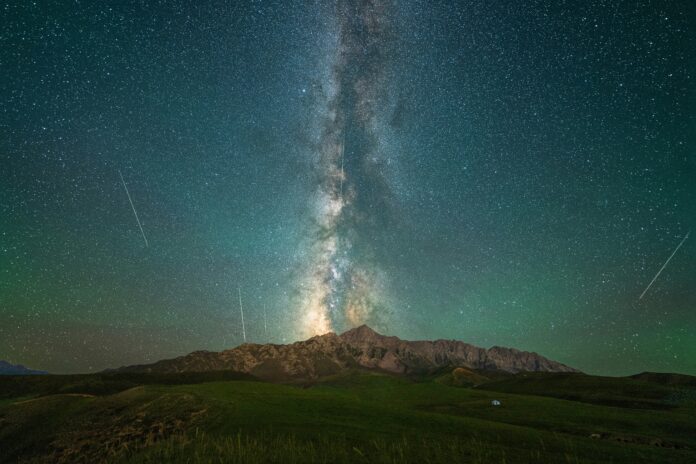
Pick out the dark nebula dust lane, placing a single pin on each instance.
(344, 285)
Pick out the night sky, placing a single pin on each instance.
(503, 173)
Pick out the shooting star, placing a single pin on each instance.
(241, 310)
(134, 211)
(265, 328)
(664, 266)
(343, 147)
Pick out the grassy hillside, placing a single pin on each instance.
(355, 417)
(632, 392)
(103, 383)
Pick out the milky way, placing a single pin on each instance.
(343, 284)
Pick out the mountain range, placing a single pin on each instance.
(358, 348)
(17, 369)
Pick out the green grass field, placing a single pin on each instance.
(352, 418)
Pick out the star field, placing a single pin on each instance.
(509, 174)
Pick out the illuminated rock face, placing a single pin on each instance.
(361, 347)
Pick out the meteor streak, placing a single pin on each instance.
(343, 174)
(134, 211)
(265, 328)
(664, 266)
(241, 310)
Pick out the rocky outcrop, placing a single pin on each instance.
(396, 355)
(361, 347)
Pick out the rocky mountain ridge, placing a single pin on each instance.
(361, 348)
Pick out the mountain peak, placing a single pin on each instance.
(363, 334)
(363, 330)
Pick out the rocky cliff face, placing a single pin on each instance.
(361, 347)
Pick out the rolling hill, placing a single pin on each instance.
(17, 369)
(355, 416)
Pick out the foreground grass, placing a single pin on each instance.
(351, 418)
(268, 448)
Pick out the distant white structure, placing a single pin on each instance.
(495, 403)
